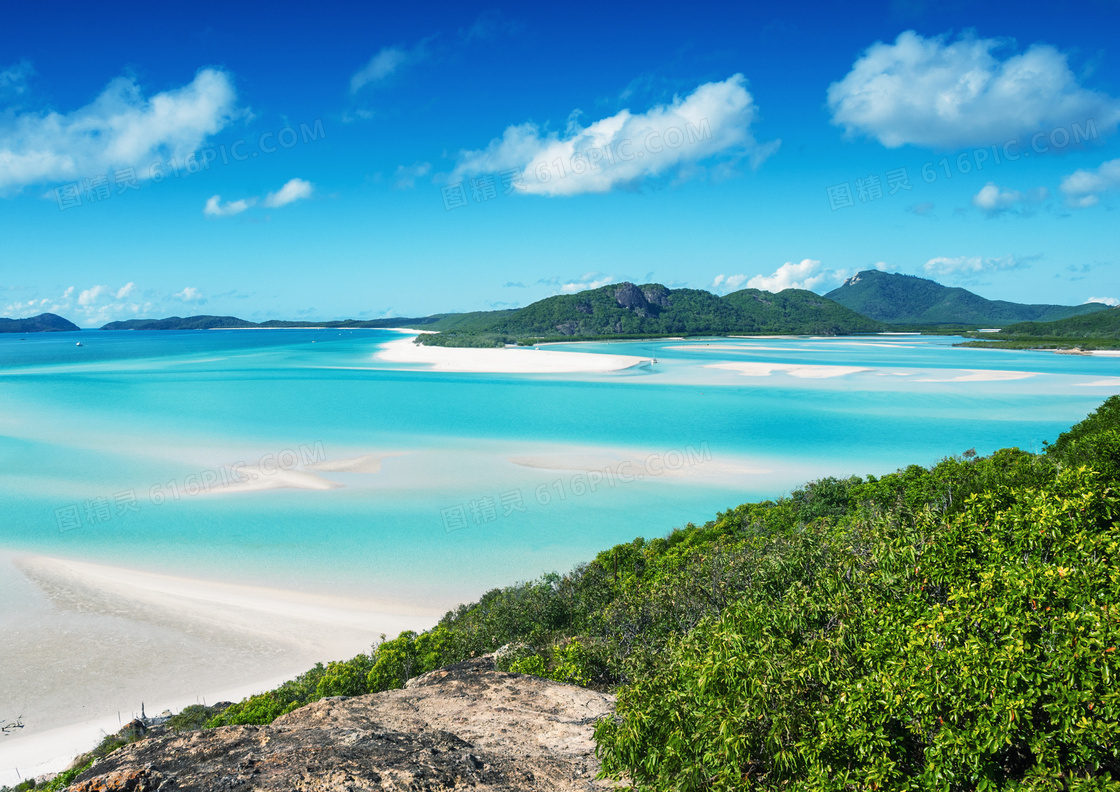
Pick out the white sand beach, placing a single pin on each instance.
(504, 361)
(84, 642)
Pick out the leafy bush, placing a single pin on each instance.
(967, 644)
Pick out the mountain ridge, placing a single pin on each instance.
(908, 299)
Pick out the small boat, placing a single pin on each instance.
(80, 344)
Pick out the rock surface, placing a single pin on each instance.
(463, 726)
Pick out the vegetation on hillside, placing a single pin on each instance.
(43, 323)
(1098, 330)
(907, 299)
(625, 310)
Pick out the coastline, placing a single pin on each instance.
(92, 641)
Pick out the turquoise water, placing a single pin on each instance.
(107, 450)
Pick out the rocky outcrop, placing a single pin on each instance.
(464, 726)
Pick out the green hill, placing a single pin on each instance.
(43, 323)
(1099, 324)
(625, 310)
(907, 299)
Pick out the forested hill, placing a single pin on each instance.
(907, 299)
(627, 310)
(43, 323)
(1099, 324)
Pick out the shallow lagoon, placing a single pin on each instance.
(299, 468)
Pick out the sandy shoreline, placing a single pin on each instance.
(504, 361)
(84, 642)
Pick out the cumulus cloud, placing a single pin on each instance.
(215, 208)
(943, 266)
(294, 190)
(120, 128)
(93, 307)
(722, 284)
(1104, 300)
(386, 62)
(90, 296)
(945, 94)
(992, 200)
(407, 175)
(804, 274)
(588, 281)
(672, 139)
(189, 294)
(1083, 188)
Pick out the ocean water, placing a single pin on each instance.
(403, 484)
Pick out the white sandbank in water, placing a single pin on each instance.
(504, 361)
(980, 375)
(89, 641)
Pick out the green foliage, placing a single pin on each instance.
(533, 664)
(957, 629)
(345, 679)
(193, 717)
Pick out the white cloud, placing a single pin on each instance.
(804, 274)
(215, 208)
(727, 283)
(969, 265)
(386, 62)
(120, 128)
(125, 290)
(189, 294)
(623, 149)
(407, 175)
(1104, 300)
(291, 192)
(588, 281)
(944, 95)
(1083, 188)
(90, 296)
(992, 200)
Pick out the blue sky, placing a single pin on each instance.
(333, 161)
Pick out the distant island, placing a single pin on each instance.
(869, 302)
(43, 323)
(909, 300)
(206, 322)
